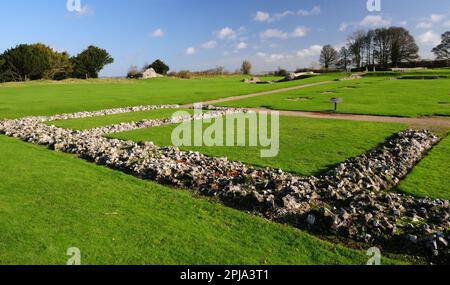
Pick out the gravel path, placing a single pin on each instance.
(432, 123)
(235, 98)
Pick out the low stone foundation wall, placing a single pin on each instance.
(106, 112)
(349, 201)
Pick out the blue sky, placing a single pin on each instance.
(200, 34)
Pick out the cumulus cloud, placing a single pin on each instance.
(190, 51)
(273, 33)
(241, 45)
(313, 50)
(273, 57)
(209, 45)
(280, 16)
(300, 32)
(424, 25)
(287, 58)
(267, 17)
(436, 18)
(428, 22)
(429, 38)
(343, 27)
(374, 21)
(370, 21)
(226, 33)
(158, 33)
(261, 16)
(316, 10)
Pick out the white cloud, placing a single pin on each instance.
(242, 45)
(429, 38)
(313, 50)
(273, 33)
(339, 46)
(209, 45)
(343, 27)
(300, 32)
(427, 23)
(370, 21)
(424, 25)
(266, 17)
(374, 21)
(403, 23)
(158, 33)
(280, 16)
(190, 51)
(226, 33)
(447, 24)
(316, 10)
(436, 18)
(290, 58)
(273, 57)
(261, 16)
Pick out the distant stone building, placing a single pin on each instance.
(150, 73)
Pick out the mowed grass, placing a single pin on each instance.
(55, 201)
(430, 178)
(89, 123)
(373, 96)
(307, 146)
(49, 98)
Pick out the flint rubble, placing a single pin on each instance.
(145, 124)
(106, 112)
(350, 201)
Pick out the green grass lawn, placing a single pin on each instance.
(307, 146)
(55, 201)
(424, 72)
(431, 176)
(51, 201)
(89, 123)
(49, 98)
(373, 96)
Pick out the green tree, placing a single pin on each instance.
(246, 67)
(60, 66)
(3, 75)
(160, 67)
(25, 62)
(90, 62)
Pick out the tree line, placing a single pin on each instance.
(38, 61)
(380, 48)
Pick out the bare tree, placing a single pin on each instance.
(246, 67)
(344, 61)
(356, 44)
(368, 46)
(403, 46)
(442, 51)
(328, 56)
(381, 53)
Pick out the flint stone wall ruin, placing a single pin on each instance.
(349, 201)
